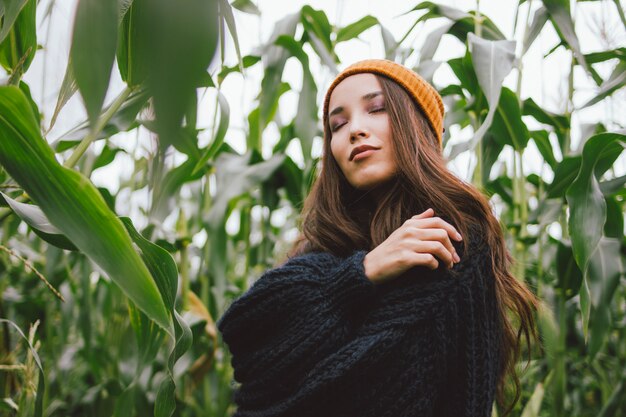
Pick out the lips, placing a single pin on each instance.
(360, 149)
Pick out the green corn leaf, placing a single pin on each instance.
(226, 12)
(73, 205)
(305, 124)
(18, 50)
(605, 269)
(565, 172)
(180, 44)
(588, 215)
(274, 63)
(123, 120)
(10, 10)
(94, 42)
(539, 20)
(163, 268)
(559, 11)
(133, 69)
(355, 29)
(37, 220)
(507, 125)
(211, 150)
(246, 6)
(492, 60)
(616, 81)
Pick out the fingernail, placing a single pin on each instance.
(456, 258)
(458, 236)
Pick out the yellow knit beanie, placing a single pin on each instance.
(424, 94)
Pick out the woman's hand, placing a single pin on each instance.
(416, 242)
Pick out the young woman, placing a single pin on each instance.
(394, 299)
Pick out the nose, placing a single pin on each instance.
(357, 129)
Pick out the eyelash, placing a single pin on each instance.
(334, 129)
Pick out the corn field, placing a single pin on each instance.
(109, 295)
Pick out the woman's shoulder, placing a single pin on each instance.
(318, 259)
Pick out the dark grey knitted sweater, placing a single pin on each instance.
(315, 337)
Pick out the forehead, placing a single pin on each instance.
(352, 88)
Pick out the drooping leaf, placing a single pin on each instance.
(588, 212)
(35, 218)
(216, 143)
(68, 88)
(464, 22)
(559, 11)
(542, 141)
(316, 22)
(605, 269)
(507, 125)
(353, 30)
(305, 125)
(616, 81)
(226, 12)
(564, 174)
(133, 69)
(492, 62)
(431, 43)
(181, 44)
(124, 120)
(72, 204)
(539, 20)
(94, 41)
(165, 402)
(274, 58)
(560, 123)
(246, 6)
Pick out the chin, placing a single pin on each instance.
(368, 185)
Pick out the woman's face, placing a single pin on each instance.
(358, 116)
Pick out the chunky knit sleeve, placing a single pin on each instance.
(315, 337)
(292, 316)
(440, 345)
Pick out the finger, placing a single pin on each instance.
(439, 235)
(438, 222)
(436, 248)
(426, 213)
(426, 259)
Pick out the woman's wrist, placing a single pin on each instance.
(369, 269)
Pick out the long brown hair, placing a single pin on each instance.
(338, 218)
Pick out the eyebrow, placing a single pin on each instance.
(367, 96)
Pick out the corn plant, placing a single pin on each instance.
(121, 317)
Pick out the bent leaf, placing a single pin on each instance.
(73, 204)
(35, 218)
(588, 213)
(94, 42)
(493, 60)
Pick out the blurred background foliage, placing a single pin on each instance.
(99, 318)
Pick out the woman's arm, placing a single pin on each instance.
(293, 315)
(474, 359)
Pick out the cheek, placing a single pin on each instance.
(335, 150)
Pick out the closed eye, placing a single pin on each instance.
(336, 128)
(375, 110)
